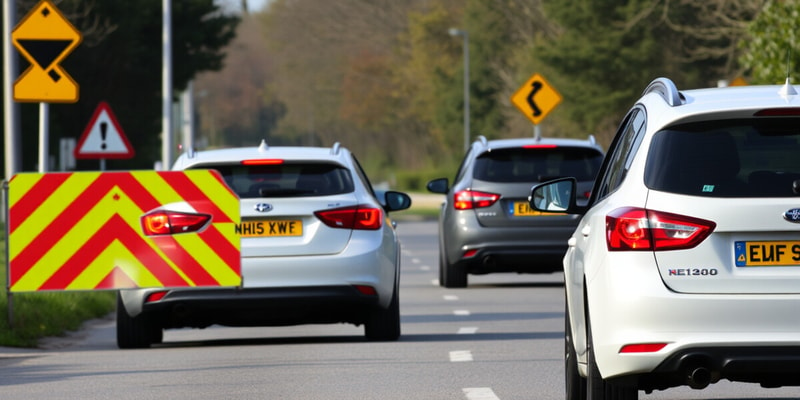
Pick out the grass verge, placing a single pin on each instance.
(41, 314)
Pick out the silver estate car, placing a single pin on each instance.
(317, 246)
(486, 224)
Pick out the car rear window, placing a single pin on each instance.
(286, 180)
(756, 157)
(538, 164)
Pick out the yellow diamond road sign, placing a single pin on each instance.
(45, 38)
(536, 98)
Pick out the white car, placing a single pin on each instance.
(685, 266)
(317, 246)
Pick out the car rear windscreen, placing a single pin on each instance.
(538, 164)
(286, 180)
(756, 157)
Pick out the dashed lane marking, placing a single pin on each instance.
(461, 313)
(483, 393)
(460, 356)
(467, 330)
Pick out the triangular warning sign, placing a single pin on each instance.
(103, 137)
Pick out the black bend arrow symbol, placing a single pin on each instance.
(536, 86)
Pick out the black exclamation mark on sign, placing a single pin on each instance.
(103, 130)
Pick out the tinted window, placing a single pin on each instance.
(733, 158)
(623, 149)
(286, 180)
(537, 164)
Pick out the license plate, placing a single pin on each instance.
(523, 209)
(767, 253)
(270, 228)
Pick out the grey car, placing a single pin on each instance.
(486, 224)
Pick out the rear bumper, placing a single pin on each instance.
(261, 306)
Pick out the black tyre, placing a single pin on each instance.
(575, 383)
(600, 389)
(453, 276)
(384, 325)
(136, 332)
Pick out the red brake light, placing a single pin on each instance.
(639, 229)
(356, 217)
(267, 161)
(469, 199)
(170, 222)
(642, 348)
(539, 146)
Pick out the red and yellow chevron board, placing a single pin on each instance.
(117, 230)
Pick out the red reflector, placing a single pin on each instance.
(470, 253)
(270, 161)
(367, 290)
(356, 217)
(155, 296)
(778, 112)
(642, 348)
(171, 222)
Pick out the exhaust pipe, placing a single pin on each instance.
(698, 377)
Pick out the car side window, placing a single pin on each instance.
(620, 156)
(362, 175)
(465, 165)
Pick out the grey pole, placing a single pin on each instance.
(13, 145)
(166, 88)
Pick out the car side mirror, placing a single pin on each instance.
(558, 195)
(439, 185)
(396, 201)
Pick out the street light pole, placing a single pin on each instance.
(465, 35)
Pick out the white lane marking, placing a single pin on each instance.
(450, 297)
(425, 268)
(460, 356)
(462, 313)
(483, 393)
(467, 330)
(415, 260)
(435, 282)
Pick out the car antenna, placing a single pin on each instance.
(788, 89)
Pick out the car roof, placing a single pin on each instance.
(519, 142)
(713, 103)
(218, 156)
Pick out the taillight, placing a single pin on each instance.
(639, 229)
(171, 222)
(356, 217)
(778, 112)
(469, 199)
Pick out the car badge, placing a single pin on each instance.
(263, 207)
(792, 215)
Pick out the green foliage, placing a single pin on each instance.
(772, 51)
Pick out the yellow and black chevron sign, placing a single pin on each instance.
(83, 231)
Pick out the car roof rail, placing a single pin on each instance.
(591, 139)
(263, 146)
(482, 139)
(667, 89)
(335, 148)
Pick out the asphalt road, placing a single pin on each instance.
(499, 339)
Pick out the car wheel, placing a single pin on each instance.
(136, 332)
(575, 383)
(384, 325)
(598, 388)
